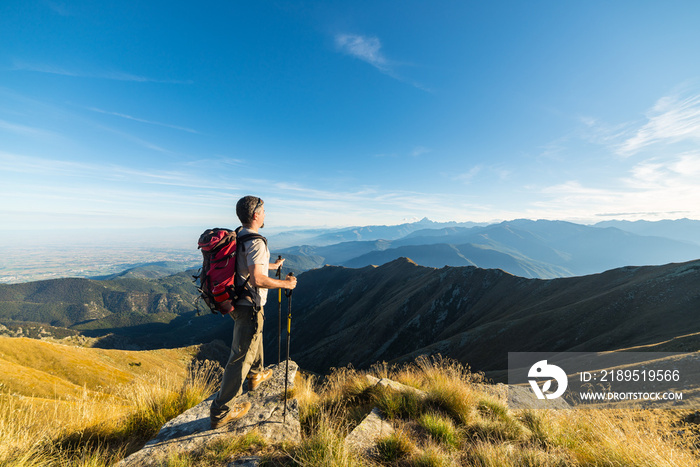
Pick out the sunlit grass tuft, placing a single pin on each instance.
(325, 446)
(395, 448)
(441, 428)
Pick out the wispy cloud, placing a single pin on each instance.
(654, 187)
(468, 176)
(673, 118)
(416, 152)
(666, 174)
(179, 195)
(59, 8)
(25, 130)
(141, 120)
(483, 173)
(364, 205)
(420, 151)
(95, 74)
(369, 50)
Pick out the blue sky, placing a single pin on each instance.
(135, 114)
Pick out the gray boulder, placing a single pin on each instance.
(191, 431)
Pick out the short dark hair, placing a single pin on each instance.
(246, 207)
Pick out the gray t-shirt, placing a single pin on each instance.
(252, 252)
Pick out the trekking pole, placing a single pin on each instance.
(288, 293)
(279, 315)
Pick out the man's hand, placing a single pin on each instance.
(292, 281)
(277, 264)
(258, 278)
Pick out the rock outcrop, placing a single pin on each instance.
(365, 435)
(191, 431)
(374, 427)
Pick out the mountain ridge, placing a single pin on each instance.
(469, 313)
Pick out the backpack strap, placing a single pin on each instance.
(246, 288)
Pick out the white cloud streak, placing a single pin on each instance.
(468, 176)
(26, 130)
(141, 120)
(672, 119)
(99, 74)
(88, 192)
(369, 50)
(652, 188)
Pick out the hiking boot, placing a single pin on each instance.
(236, 412)
(255, 380)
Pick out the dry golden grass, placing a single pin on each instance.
(85, 418)
(52, 370)
(457, 420)
(460, 422)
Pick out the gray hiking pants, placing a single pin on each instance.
(246, 357)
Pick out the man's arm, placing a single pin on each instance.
(259, 279)
(277, 264)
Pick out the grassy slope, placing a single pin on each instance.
(66, 405)
(32, 367)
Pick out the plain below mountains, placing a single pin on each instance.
(536, 249)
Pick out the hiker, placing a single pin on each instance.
(246, 358)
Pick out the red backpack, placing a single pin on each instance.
(217, 277)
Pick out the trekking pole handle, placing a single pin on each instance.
(288, 292)
(279, 276)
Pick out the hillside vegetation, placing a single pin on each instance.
(129, 313)
(54, 371)
(61, 405)
(458, 420)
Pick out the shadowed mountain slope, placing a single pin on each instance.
(399, 310)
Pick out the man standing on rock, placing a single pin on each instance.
(246, 359)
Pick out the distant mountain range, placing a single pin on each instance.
(537, 249)
(323, 237)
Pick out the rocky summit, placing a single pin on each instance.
(191, 431)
